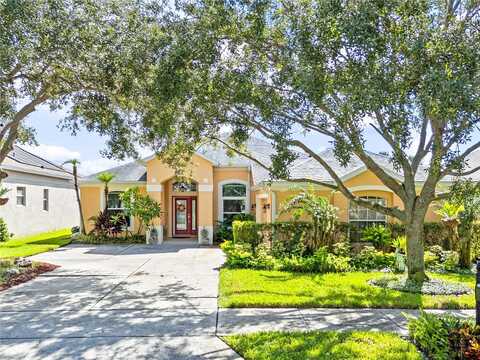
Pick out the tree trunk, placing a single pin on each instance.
(415, 260)
(77, 192)
(465, 248)
(105, 191)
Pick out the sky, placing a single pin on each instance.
(58, 146)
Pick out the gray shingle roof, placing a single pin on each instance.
(24, 157)
(130, 172)
(303, 167)
(20, 159)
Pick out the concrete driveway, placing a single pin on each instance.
(117, 302)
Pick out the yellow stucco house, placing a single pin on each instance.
(223, 186)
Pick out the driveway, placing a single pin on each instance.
(117, 302)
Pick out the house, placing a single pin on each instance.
(221, 187)
(41, 195)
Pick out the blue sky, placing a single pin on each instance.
(58, 146)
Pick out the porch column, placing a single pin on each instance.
(155, 191)
(205, 214)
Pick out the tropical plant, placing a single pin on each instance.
(75, 163)
(140, 206)
(322, 214)
(379, 235)
(400, 244)
(105, 177)
(450, 216)
(106, 224)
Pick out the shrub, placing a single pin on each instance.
(379, 236)
(224, 232)
(430, 334)
(370, 259)
(320, 262)
(288, 238)
(247, 232)
(341, 249)
(4, 234)
(445, 337)
(240, 258)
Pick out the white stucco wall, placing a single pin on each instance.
(30, 219)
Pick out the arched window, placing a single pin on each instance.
(233, 199)
(183, 186)
(362, 217)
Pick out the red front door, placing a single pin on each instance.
(184, 216)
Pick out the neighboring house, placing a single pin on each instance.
(41, 196)
(222, 187)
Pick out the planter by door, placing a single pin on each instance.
(184, 216)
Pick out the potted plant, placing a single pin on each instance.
(3, 192)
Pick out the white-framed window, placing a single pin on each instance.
(115, 206)
(233, 199)
(362, 217)
(46, 199)
(21, 195)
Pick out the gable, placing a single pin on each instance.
(200, 170)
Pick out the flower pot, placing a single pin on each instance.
(3, 201)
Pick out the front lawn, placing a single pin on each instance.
(261, 288)
(35, 244)
(329, 345)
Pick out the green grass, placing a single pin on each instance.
(35, 244)
(329, 345)
(255, 288)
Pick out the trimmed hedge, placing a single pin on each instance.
(291, 236)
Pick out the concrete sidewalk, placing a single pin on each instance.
(238, 321)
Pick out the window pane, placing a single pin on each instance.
(234, 190)
(233, 206)
(114, 201)
(21, 196)
(194, 214)
(45, 199)
(181, 214)
(181, 186)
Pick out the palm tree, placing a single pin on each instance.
(105, 178)
(75, 163)
(450, 215)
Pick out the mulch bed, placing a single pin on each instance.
(28, 274)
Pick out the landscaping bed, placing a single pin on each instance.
(264, 288)
(12, 275)
(329, 345)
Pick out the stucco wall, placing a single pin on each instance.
(363, 184)
(223, 175)
(92, 197)
(31, 219)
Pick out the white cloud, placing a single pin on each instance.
(54, 153)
